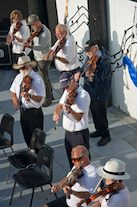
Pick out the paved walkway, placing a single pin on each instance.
(123, 130)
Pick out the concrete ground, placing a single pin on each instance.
(123, 130)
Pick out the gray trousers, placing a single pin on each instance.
(43, 69)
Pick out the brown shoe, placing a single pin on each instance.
(46, 103)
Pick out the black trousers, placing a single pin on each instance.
(30, 119)
(43, 69)
(74, 139)
(99, 114)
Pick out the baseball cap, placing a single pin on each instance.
(32, 18)
(88, 45)
(64, 79)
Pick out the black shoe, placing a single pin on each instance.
(52, 97)
(104, 141)
(94, 134)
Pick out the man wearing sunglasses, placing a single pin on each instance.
(85, 183)
(29, 95)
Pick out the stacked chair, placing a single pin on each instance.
(6, 128)
(23, 158)
(36, 176)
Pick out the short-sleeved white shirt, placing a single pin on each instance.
(81, 105)
(37, 89)
(23, 33)
(69, 52)
(86, 183)
(121, 199)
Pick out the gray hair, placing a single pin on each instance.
(63, 27)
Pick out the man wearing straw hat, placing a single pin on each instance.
(29, 95)
(114, 172)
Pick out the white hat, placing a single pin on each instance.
(114, 169)
(24, 61)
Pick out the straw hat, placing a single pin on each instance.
(24, 61)
(114, 169)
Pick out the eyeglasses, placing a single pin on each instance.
(76, 159)
(59, 34)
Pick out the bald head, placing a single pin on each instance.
(80, 150)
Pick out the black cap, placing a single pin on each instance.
(89, 44)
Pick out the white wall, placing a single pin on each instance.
(124, 92)
(82, 34)
(120, 18)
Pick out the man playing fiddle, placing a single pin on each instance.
(22, 33)
(41, 46)
(66, 58)
(98, 84)
(84, 184)
(30, 100)
(114, 173)
(75, 113)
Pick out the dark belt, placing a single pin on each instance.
(27, 109)
(76, 132)
(72, 71)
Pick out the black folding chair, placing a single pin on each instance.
(34, 176)
(6, 125)
(23, 158)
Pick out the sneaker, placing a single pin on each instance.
(94, 134)
(46, 103)
(104, 141)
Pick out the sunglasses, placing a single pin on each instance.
(76, 159)
(23, 68)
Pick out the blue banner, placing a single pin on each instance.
(131, 68)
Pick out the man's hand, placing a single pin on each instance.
(55, 188)
(67, 108)
(77, 76)
(16, 104)
(56, 117)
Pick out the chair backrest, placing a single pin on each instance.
(7, 123)
(37, 140)
(45, 157)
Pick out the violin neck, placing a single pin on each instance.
(84, 195)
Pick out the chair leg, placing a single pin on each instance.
(12, 193)
(32, 196)
(41, 189)
(8, 174)
(12, 149)
(4, 152)
(21, 192)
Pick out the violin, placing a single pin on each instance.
(31, 37)
(70, 180)
(58, 48)
(17, 27)
(93, 62)
(26, 85)
(71, 97)
(110, 189)
(92, 67)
